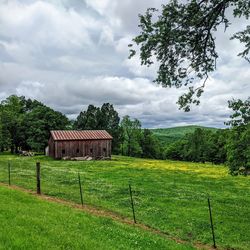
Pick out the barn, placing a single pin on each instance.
(79, 143)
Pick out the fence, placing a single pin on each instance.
(173, 208)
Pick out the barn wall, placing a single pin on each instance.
(93, 148)
(51, 145)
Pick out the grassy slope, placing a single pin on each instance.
(30, 223)
(170, 135)
(170, 196)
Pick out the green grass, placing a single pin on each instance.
(170, 196)
(30, 223)
(170, 135)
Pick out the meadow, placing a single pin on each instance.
(170, 196)
(30, 223)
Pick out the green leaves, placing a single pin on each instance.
(105, 118)
(241, 115)
(26, 123)
(181, 38)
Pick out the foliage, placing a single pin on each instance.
(39, 122)
(238, 151)
(150, 145)
(105, 118)
(170, 196)
(241, 115)
(131, 130)
(12, 112)
(181, 39)
(88, 119)
(168, 136)
(200, 146)
(238, 147)
(25, 123)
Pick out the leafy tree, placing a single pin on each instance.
(38, 123)
(12, 112)
(175, 150)
(109, 120)
(181, 38)
(238, 146)
(25, 123)
(238, 151)
(150, 145)
(241, 115)
(88, 119)
(131, 130)
(106, 118)
(216, 146)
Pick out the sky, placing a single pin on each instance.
(72, 53)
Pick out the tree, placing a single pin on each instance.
(241, 115)
(238, 146)
(238, 151)
(182, 40)
(25, 123)
(39, 122)
(12, 112)
(88, 119)
(131, 130)
(109, 120)
(150, 145)
(105, 118)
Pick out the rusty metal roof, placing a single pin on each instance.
(72, 135)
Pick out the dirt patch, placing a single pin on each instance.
(109, 214)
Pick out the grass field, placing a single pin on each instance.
(30, 223)
(170, 196)
(170, 135)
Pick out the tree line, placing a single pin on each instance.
(25, 124)
(229, 146)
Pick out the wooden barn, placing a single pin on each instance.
(75, 143)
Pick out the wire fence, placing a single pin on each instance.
(171, 208)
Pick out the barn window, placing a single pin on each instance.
(104, 150)
(91, 150)
(78, 151)
(63, 151)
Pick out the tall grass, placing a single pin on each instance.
(170, 196)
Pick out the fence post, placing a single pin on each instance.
(80, 187)
(211, 221)
(9, 173)
(132, 202)
(38, 178)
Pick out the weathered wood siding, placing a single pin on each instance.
(51, 147)
(79, 148)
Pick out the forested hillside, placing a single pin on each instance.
(169, 135)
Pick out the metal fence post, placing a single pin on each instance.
(38, 178)
(132, 202)
(80, 187)
(211, 221)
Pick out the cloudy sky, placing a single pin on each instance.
(71, 53)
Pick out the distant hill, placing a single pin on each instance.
(170, 135)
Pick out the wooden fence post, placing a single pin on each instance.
(80, 187)
(38, 178)
(211, 221)
(132, 202)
